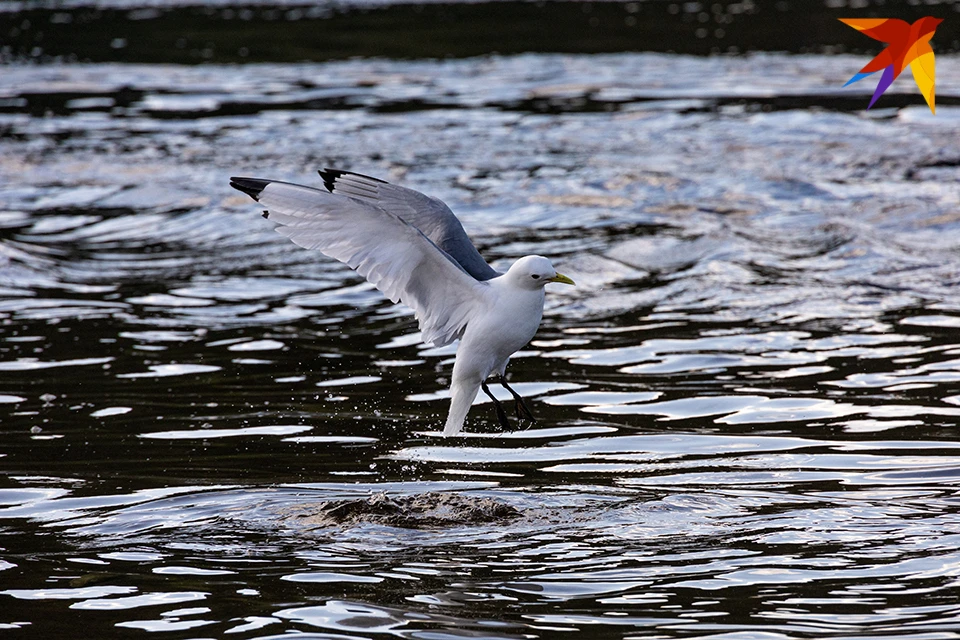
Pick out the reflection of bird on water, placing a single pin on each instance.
(414, 250)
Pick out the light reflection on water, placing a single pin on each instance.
(747, 411)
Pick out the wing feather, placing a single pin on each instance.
(429, 215)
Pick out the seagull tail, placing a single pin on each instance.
(462, 394)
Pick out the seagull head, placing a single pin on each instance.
(534, 272)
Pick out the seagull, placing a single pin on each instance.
(412, 248)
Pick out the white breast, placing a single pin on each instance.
(506, 326)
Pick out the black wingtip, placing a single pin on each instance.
(330, 176)
(250, 186)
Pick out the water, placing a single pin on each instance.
(747, 409)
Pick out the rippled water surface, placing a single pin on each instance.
(748, 408)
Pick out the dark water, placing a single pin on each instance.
(748, 409)
(222, 31)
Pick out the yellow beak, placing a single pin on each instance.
(562, 278)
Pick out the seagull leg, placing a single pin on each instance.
(522, 411)
(501, 414)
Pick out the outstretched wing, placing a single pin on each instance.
(429, 215)
(393, 255)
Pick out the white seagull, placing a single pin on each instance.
(412, 248)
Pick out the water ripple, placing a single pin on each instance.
(750, 398)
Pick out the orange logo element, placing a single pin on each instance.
(909, 44)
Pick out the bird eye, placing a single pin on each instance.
(535, 277)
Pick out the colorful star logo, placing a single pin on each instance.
(908, 44)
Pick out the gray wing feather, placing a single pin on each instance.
(396, 257)
(429, 215)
